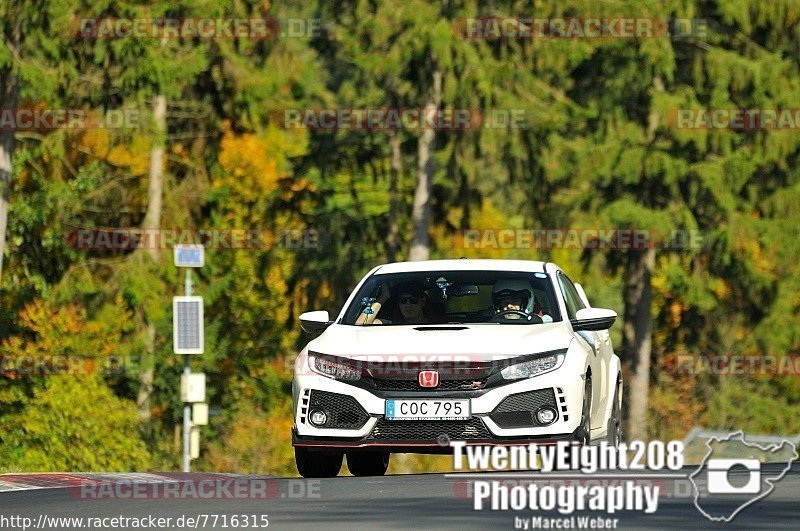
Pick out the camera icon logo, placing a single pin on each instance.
(718, 482)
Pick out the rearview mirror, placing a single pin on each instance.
(593, 319)
(463, 290)
(315, 322)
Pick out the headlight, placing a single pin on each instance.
(326, 366)
(528, 369)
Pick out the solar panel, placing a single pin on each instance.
(187, 323)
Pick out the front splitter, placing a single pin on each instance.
(415, 446)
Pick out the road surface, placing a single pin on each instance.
(426, 501)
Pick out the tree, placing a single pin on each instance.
(74, 424)
(9, 91)
(29, 54)
(644, 172)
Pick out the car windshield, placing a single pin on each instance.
(454, 297)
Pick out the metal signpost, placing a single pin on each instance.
(188, 339)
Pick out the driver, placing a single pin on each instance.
(517, 295)
(512, 295)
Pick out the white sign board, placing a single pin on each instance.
(188, 255)
(200, 414)
(194, 443)
(193, 387)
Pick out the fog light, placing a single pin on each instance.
(546, 415)
(318, 417)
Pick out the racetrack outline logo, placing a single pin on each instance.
(717, 474)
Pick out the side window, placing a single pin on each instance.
(571, 297)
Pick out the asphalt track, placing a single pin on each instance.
(426, 501)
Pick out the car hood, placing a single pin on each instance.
(483, 341)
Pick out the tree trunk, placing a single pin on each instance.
(637, 338)
(394, 200)
(9, 91)
(421, 210)
(152, 218)
(637, 345)
(152, 221)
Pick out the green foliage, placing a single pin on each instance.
(74, 424)
(752, 406)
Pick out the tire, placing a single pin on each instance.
(614, 435)
(584, 431)
(368, 463)
(312, 464)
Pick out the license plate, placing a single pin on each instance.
(427, 410)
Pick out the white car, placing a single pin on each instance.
(424, 353)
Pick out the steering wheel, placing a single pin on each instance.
(496, 318)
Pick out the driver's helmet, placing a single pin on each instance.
(510, 287)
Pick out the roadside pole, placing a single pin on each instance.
(188, 339)
(187, 369)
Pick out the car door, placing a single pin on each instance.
(594, 341)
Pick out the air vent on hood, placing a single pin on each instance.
(439, 328)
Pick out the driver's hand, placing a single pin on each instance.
(384, 293)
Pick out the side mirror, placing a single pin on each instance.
(593, 319)
(315, 322)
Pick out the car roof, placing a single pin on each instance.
(464, 264)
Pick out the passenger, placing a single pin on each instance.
(411, 301)
(413, 304)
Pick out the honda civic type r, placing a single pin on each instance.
(424, 353)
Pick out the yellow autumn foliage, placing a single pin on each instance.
(64, 330)
(134, 153)
(254, 163)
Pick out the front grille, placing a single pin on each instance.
(444, 385)
(429, 431)
(344, 412)
(519, 410)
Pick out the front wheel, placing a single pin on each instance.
(583, 433)
(614, 436)
(317, 464)
(368, 463)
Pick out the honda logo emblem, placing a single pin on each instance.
(429, 378)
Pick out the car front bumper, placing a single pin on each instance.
(370, 430)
